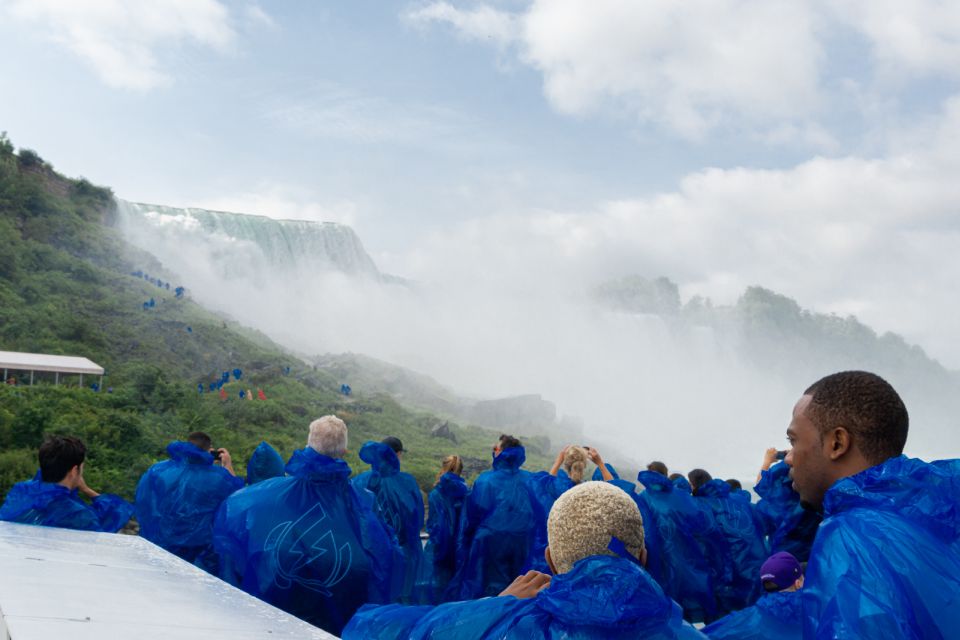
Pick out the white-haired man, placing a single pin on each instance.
(308, 543)
(600, 589)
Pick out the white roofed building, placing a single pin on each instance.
(12, 361)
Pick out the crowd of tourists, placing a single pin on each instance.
(849, 538)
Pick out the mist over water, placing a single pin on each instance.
(645, 386)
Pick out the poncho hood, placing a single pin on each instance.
(452, 486)
(653, 481)
(510, 459)
(918, 491)
(265, 463)
(714, 489)
(607, 591)
(35, 494)
(381, 458)
(307, 463)
(599, 476)
(189, 453)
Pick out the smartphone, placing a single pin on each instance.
(781, 455)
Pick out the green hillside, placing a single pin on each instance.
(66, 288)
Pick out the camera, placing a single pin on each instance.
(215, 453)
(781, 455)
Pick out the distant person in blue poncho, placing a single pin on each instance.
(678, 563)
(777, 615)
(398, 503)
(742, 547)
(265, 463)
(599, 588)
(443, 526)
(308, 543)
(178, 498)
(886, 560)
(788, 525)
(545, 487)
(615, 479)
(496, 534)
(51, 499)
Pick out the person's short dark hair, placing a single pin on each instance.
(508, 441)
(674, 476)
(658, 467)
(698, 478)
(200, 440)
(734, 484)
(867, 406)
(58, 455)
(394, 443)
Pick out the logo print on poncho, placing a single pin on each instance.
(305, 552)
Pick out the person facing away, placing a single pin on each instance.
(545, 487)
(443, 524)
(599, 588)
(743, 542)
(51, 498)
(677, 562)
(777, 614)
(178, 498)
(308, 542)
(264, 463)
(885, 562)
(496, 533)
(397, 502)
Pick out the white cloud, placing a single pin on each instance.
(124, 42)
(906, 37)
(759, 66)
(484, 23)
(875, 237)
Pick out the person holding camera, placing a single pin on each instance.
(178, 498)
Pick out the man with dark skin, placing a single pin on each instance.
(885, 562)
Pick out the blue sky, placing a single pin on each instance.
(809, 147)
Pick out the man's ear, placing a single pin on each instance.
(838, 442)
(546, 555)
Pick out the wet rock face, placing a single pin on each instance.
(442, 430)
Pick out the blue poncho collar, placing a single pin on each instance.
(653, 481)
(714, 489)
(605, 591)
(308, 464)
(37, 494)
(381, 458)
(919, 491)
(186, 452)
(452, 486)
(510, 459)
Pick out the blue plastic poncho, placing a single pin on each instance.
(265, 463)
(788, 526)
(443, 525)
(307, 543)
(682, 484)
(677, 563)
(601, 597)
(496, 532)
(775, 616)
(626, 485)
(398, 503)
(52, 505)
(886, 561)
(544, 491)
(744, 545)
(177, 500)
